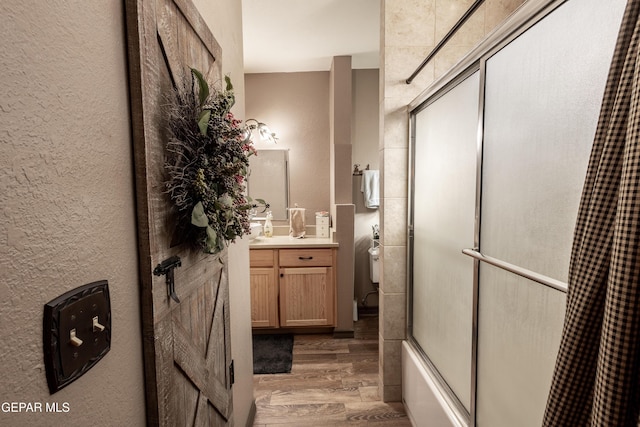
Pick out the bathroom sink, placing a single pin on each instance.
(256, 230)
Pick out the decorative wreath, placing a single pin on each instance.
(207, 164)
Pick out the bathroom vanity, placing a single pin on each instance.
(293, 282)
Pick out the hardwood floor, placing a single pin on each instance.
(333, 382)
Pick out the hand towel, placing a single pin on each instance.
(296, 222)
(371, 188)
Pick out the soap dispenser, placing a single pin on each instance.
(268, 227)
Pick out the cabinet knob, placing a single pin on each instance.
(305, 258)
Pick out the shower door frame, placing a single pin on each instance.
(531, 12)
(452, 400)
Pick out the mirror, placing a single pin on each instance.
(269, 180)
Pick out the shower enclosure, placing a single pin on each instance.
(499, 150)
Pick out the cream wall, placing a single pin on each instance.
(296, 108)
(364, 135)
(68, 202)
(342, 209)
(67, 197)
(410, 29)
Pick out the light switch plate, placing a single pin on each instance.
(77, 333)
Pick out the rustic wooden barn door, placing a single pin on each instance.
(187, 353)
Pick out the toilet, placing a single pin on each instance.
(374, 270)
(374, 264)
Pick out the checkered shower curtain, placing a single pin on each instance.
(596, 381)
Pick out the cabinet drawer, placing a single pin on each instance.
(306, 257)
(261, 258)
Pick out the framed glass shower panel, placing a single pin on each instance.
(444, 198)
(543, 92)
(520, 324)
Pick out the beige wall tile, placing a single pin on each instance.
(391, 393)
(399, 64)
(405, 22)
(395, 172)
(449, 56)
(470, 32)
(497, 11)
(394, 222)
(393, 323)
(394, 272)
(391, 353)
(406, 40)
(397, 128)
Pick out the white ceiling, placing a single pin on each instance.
(304, 35)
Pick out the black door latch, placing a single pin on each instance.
(166, 267)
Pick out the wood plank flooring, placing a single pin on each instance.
(333, 382)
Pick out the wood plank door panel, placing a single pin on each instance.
(187, 350)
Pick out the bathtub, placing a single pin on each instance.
(424, 401)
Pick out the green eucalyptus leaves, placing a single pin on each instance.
(207, 164)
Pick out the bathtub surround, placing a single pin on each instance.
(540, 67)
(406, 38)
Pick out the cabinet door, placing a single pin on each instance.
(264, 298)
(307, 297)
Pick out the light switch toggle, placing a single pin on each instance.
(97, 327)
(73, 339)
(73, 342)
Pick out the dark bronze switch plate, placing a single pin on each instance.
(77, 333)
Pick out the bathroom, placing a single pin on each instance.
(52, 246)
(399, 381)
(295, 105)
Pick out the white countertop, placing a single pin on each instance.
(276, 242)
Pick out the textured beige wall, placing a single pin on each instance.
(67, 197)
(68, 202)
(296, 107)
(410, 29)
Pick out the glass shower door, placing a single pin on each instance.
(542, 99)
(444, 199)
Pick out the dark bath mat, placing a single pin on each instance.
(272, 353)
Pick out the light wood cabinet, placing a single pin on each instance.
(293, 287)
(264, 288)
